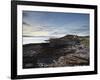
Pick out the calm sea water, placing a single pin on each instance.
(28, 40)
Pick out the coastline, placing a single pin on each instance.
(53, 54)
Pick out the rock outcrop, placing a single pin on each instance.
(70, 50)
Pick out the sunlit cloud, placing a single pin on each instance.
(34, 31)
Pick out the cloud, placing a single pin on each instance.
(84, 28)
(51, 31)
(34, 31)
(25, 23)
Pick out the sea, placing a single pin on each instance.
(29, 40)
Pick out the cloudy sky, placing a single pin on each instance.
(54, 24)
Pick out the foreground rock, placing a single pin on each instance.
(73, 53)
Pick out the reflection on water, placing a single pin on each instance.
(27, 40)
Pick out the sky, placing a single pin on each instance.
(54, 24)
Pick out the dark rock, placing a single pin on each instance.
(59, 52)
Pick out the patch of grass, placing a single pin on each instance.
(85, 41)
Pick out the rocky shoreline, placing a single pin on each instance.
(46, 55)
